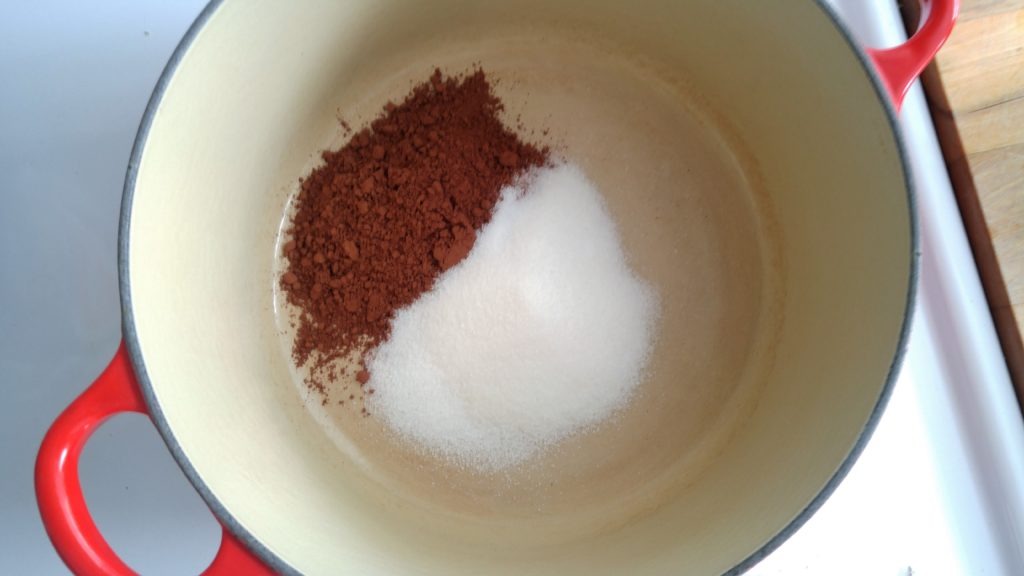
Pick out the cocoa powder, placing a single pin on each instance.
(391, 210)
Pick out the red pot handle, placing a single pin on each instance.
(900, 66)
(61, 502)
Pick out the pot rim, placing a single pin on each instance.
(278, 564)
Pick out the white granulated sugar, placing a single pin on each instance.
(542, 331)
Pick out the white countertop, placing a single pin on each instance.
(939, 490)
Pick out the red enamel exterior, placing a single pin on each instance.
(900, 66)
(61, 503)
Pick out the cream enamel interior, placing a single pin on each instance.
(756, 182)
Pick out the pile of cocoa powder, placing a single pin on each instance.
(391, 210)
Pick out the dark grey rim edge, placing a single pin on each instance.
(222, 514)
(279, 565)
(908, 314)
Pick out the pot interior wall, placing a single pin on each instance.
(755, 180)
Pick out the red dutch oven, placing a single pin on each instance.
(749, 154)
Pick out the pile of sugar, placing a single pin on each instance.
(542, 331)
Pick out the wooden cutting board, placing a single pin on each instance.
(976, 92)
